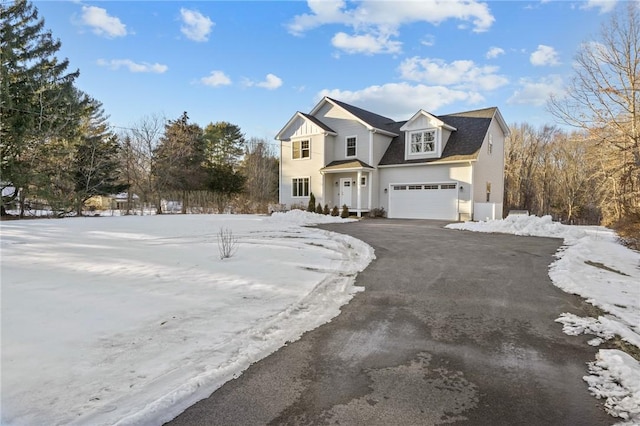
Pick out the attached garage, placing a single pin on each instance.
(429, 200)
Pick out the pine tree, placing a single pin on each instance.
(96, 168)
(180, 158)
(37, 99)
(224, 146)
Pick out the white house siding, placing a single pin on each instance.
(345, 126)
(490, 168)
(459, 173)
(300, 168)
(380, 145)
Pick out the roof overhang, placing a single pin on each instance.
(430, 117)
(346, 166)
(326, 131)
(358, 119)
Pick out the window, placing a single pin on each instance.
(423, 142)
(448, 186)
(399, 187)
(300, 187)
(414, 187)
(351, 146)
(490, 144)
(488, 191)
(300, 149)
(431, 186)
(363, 181)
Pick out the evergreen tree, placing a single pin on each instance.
(224, 146)
(96, 168)
(37, 98)
(179, 163)
(311, 206)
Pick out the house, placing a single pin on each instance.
(448, 167)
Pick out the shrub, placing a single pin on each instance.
(319, 208)
(345, 211)
(335, 211)
(378, 212)
(227, 243)
(326, 210)
(311, 207)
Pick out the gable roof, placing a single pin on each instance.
(369, 119)
(463, 144)
(304, 116)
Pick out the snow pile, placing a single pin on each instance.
(130, 320)
(593, 265)
(302, 218)
(615, 377)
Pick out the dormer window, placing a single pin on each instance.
(423, 142)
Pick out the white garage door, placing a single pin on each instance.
(424, 201)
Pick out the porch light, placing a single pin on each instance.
(337, 183)
(461, 188)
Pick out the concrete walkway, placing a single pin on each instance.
(454, 327)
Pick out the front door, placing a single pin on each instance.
(345, 192)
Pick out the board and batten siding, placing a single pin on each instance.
(300, 168)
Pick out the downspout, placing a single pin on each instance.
(280, 183)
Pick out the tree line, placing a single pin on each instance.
(58, 150)
(591, 173)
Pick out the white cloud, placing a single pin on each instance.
(215, 79)
(373, 21)
(102, 24)
(195, 26)
(537, 93)
(367, 43)
(605, 6)
(132, 66)
(494, 52)
(544, 55)
(271, 82)
(461, 74)
(401, 100)
(428, 40)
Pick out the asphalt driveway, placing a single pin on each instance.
(454, 327)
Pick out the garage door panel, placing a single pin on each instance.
(424, 201)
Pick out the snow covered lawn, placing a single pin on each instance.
(129, 320)
(592, 264)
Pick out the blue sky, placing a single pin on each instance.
(255, 64)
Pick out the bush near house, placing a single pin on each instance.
(345, 212)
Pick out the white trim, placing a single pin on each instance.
(429, 117)
(351, 169)
(366, 125)
(346, 146)
(387, 166)
(292, 186)
(300, 140)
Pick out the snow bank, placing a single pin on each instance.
(616, 379)
(593, 265)
(130, 320)
(302, 218)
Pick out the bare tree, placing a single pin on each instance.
(603, 99)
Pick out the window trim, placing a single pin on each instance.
(301, 150)
(346, 146)
(423, 154)
(294, 185)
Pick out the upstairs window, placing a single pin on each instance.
(490, 144)
(423, 142)
(300, 149)
(351, 146)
